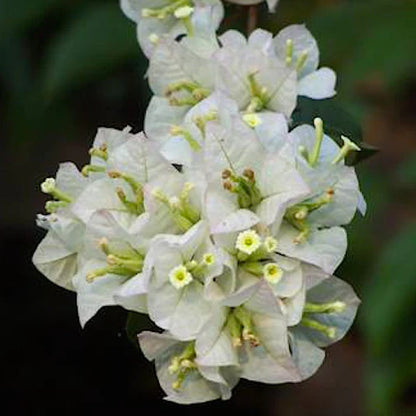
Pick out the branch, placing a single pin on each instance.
(252, 17)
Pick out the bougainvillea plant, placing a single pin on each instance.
(223, 220)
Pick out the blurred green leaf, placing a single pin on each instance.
(95, 42)
(337, 123)
(135, 323)
(388, 376)
(388, 317)
(367, 151)
(407, 171)
(388, 50)
(17, 15)
(393, 288)
(368, 39)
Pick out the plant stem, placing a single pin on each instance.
(252, 17)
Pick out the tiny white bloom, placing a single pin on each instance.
(179, 277)
(252, 119)
(272, 272)
(248, 242)
(208, 259)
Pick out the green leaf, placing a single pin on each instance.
(96, 41)
(367, 151)
(135, 323)
(392, 293)
(367, 40)
(17, 15)
(407, 171)
(388, 318)
(337, 121)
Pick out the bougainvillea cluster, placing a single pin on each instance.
(220, 221)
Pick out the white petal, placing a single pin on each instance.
(233, 39)
(139, 159)
(91, 297)
(307, 357)
(319, 84)
(324, 248)
(161, 116)
(172, 62)
(272, 131)
(70, 180)
(332, 290)
(132, 294)
(302, 41)
(153, 344)
(53, 259)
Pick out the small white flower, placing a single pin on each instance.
(272, 273)
(208, 259)
(248, 242)
(252, 120)
(179, 277)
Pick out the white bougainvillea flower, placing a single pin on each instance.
(271, 3)
(111, 267)
(179, 73)
(296, 45)
(324, 169)
(176, 200)
(181, 130)
(256, 333)
(324, 248)
(56, 255)
(329, 311)
(122, 191)
(271, 129)
(247, 184)
(180, 376)
(105, 142)
(221, 224)
(158, 19)
(180, 265)
(250, 73)
(257, 265)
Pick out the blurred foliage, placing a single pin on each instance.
(94, 42)
(389, 317)
(68, 66)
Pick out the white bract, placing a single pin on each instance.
(159, 19)
(224, 223)
(296, 45)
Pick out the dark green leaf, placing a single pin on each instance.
(95, 42)
(376, 40)
(17, 15)
(407, 171)
(392, 292)
(389, 318)
(337, 121)
(367, 151)
(135, 323)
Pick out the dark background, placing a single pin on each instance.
(69, 66)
